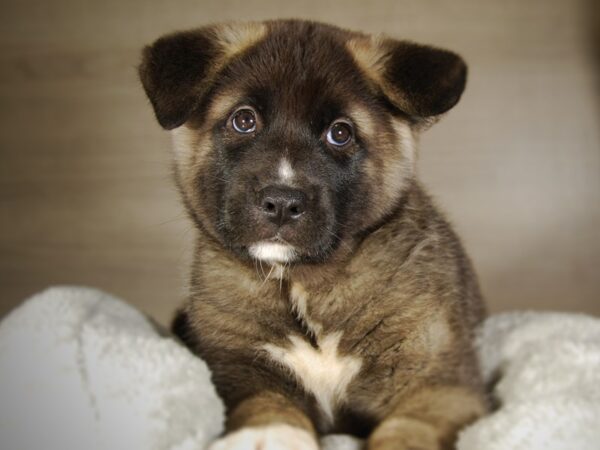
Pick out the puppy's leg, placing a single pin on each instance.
(267, 421)
(428, 420)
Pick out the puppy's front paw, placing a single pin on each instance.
(270, 437)
(404, 434)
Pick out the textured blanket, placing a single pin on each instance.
(80, 369)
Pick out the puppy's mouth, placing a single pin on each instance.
(273, 251)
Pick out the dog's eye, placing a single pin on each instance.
(339, 134)
(244, 121)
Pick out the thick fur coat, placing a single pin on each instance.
(327, 292)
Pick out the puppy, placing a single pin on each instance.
(327, 293)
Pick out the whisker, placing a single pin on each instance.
(255, 260)
(261, 267)
(216, 177)
(339, 239)
(267, 277)
(178, 217)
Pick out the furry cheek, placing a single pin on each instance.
(191, 160)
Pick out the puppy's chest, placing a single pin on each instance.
(313, 356)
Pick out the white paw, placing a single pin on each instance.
(271, 437)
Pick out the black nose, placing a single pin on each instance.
(281, 205)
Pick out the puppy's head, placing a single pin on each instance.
(293, 137)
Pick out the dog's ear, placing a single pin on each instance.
(419, 80)
(173, 71)
(178, 69)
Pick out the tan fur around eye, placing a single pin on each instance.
(363, 120)
(221, 106)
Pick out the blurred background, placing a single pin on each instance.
(86, 195)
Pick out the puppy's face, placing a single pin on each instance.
(293, 137)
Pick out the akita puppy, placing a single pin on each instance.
(327, 294)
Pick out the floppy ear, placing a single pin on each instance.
(173, 70)
(178, 68)
(420, 80)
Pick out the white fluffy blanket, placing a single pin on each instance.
(80, 369)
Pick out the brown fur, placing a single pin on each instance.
(383, 272)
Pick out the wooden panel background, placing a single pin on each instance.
(85, 189)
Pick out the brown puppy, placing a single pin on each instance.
(327, 294)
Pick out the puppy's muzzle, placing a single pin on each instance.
(281, 205)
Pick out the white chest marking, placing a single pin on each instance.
(285, 171)
(298, 298)
(321, 371)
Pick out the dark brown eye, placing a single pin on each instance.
(339, 134)
(244, 121)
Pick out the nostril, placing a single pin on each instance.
(295, 210)
(281, 205)
(271, 207)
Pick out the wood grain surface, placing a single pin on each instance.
(86, 195)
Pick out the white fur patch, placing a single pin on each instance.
(321, 371)
(271, 437)
(298, 297)
(285, 171)
(272, 252)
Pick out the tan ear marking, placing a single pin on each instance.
(235, 37)
(420, 80)
(369, 54)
